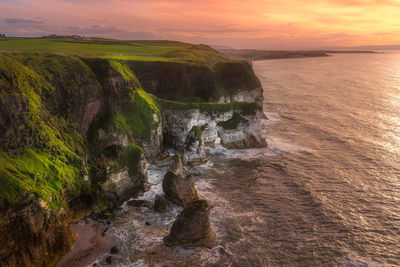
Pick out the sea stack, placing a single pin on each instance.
(192, 226)
(178, 185)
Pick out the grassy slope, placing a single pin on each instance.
(116, 49)
(52, 161)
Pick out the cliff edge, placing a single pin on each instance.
(76, 132)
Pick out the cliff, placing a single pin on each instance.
(77, 131)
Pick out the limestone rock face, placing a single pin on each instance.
(129, 181)
(152, 146)
(160, 204)
(233, 131)
(193, 153)
(255, 95)
(241, 131)
(32, 235)
(178, 185)
(192, 226)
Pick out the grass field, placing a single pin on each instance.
(115, 49)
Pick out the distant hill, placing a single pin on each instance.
(251, 54)
(223, 47)
(365, 47)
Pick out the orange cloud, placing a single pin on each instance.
(269, 24)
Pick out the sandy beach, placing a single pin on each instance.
(92, 242)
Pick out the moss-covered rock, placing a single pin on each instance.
(193, 153)
(233, 122)
(192, 226)
(127, 176)
(180, 81)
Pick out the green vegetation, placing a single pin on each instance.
(43, 100)
(197, 133)
(116, 49)
(38, 172)
(137, 119)
(130, 158)
(246, 108)
(233, 122)
(124, 70)
(52, 161)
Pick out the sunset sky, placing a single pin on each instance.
(263, 24)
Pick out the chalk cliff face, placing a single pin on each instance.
(232, 129)
(73, 127)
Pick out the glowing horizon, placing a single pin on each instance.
(290, 24)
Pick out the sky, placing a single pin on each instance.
(259, 24)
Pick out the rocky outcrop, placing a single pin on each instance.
(81, 123)
(255, 95)
(192, 226)
(232, 80)
(32, 234)
(161, 205)
(241, 131)
(138, 203)
(178, 185)
(121, 184)
(193, 152)
(153, 146)
(233, 128)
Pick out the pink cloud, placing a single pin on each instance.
(253, 23)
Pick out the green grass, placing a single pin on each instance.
(116, 49)
(245, 108)
(39, 172)
(51, 161)
(135, 120)
(197, 133)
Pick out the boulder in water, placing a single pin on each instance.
(140, 203)
(161, 205)
(178, 185)
(192, 226)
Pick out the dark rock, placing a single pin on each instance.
(110, 259)
(194, 153)
(178, 185)
(192, 226)
(140, 203)
(147, 223)
(161, 205)
(114, 250)
(32, 235)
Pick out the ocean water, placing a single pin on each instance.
(326, 191)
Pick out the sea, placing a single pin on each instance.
(326, 190)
